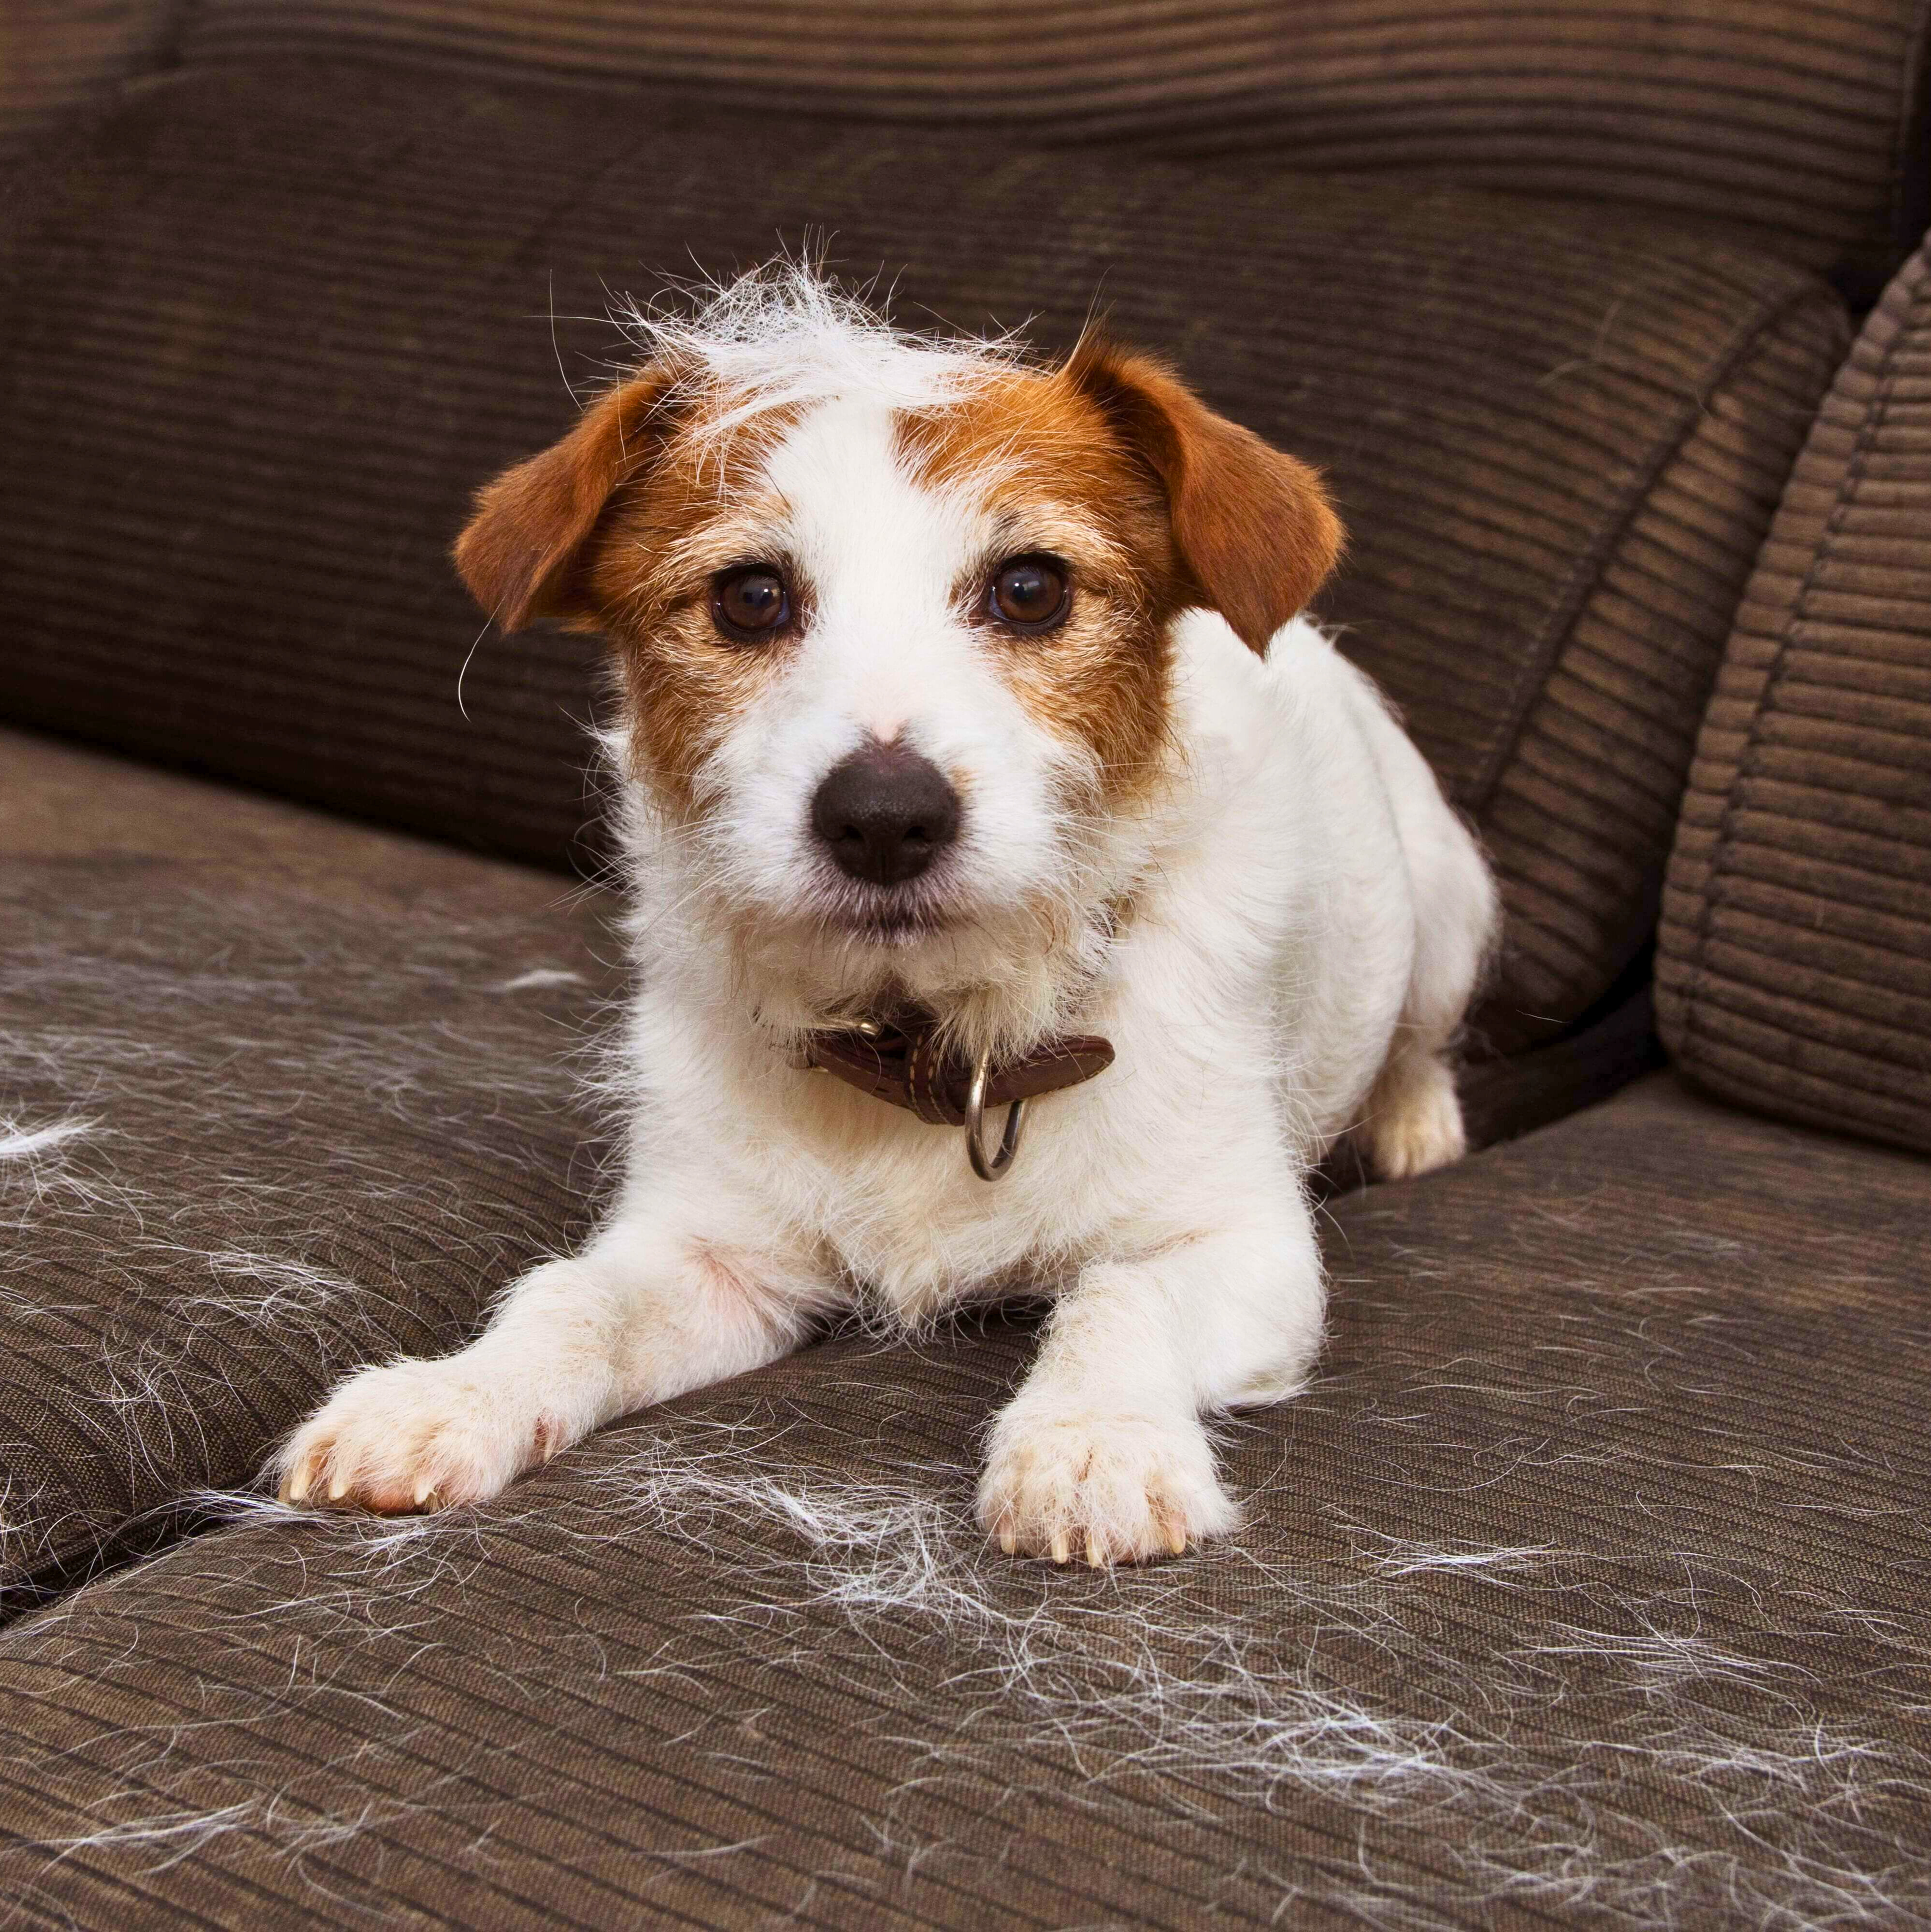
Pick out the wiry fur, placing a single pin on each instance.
(1236, 868)
(1169, 1698)
(783, 340)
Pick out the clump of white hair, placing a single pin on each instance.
(785, 335)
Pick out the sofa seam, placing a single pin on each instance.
(1587, 574)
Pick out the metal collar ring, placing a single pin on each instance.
(995, 1168)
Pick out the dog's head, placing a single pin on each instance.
(892, 615)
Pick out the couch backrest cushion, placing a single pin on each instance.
(1794, 967)
(265, 330)
(1804, 122)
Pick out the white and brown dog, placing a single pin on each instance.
(970, 727)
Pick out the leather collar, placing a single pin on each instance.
(902, 1060)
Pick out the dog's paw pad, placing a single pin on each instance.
(1101, 1488)
(412, 1437)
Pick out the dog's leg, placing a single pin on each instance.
(1412, 1122)
(1103, 1454)
(642, 1314)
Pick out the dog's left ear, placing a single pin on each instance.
(524, 551)
(1253, 526)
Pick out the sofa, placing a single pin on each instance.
(1589, 1580)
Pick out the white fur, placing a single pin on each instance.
(1305, 920)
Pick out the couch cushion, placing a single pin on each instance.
(1805, 124)
(1795, 968)
(278, 1096)
(266, 330)
(281, 1095)
(1586, 1586)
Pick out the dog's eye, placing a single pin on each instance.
(1030, 592)
(750, 604)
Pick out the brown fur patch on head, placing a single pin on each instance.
(702, 507)
(619, 528)
(1254, 527)
(1040, 464)
(1110, 463)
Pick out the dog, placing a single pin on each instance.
(974, 756)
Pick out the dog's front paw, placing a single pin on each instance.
(416, 1436)
(1116, 1488)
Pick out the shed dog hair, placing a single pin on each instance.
(960, 684)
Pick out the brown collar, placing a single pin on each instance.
(902, 1060)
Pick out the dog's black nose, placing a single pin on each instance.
(885, 813)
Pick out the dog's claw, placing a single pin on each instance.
(1061, 1547)
(1095, 1557)
(1177, 1530)
(295, 1484)
(1008, 1541)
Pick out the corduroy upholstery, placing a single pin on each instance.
(1803, 126)
(1586, 1587)
(1795, 968)
(1558, 440)
(56, 56)
(1803, 123)
(279, 1095)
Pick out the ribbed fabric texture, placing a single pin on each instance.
(1794, 972)
(278, 1096)
(56, 56)
(1575, 805)
(1584, 1588)
(1802, 120)
(269, 330)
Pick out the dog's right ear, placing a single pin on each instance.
(524, 551)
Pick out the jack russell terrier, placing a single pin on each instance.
(1024, 898)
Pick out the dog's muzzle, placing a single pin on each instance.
(902, 1061)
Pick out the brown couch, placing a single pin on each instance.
(1591, 1582)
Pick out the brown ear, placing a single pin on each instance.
(522, 551)
(1254, 527)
